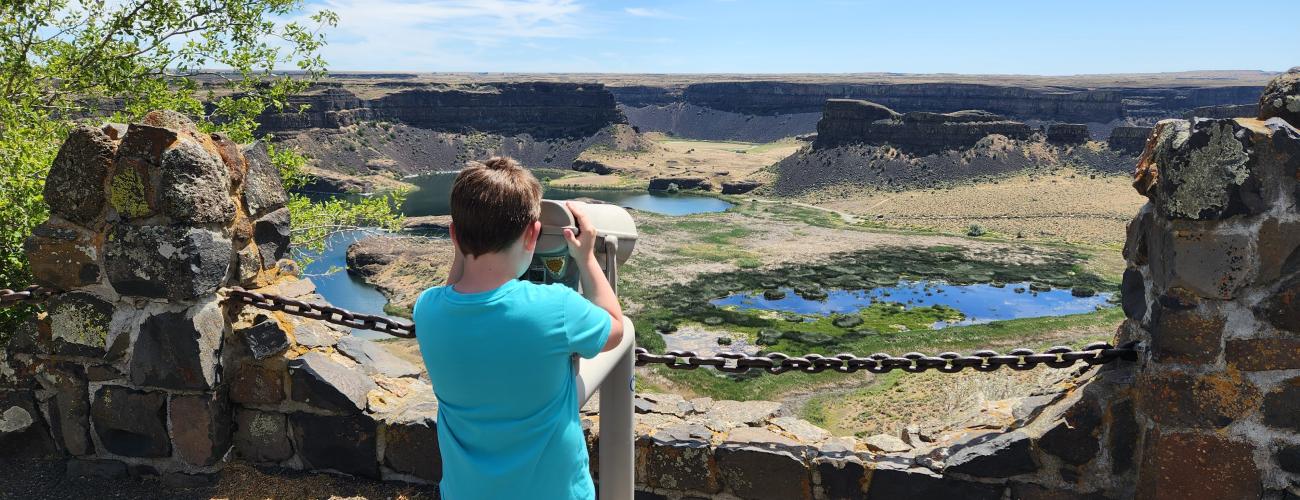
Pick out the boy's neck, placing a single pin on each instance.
(487, 272)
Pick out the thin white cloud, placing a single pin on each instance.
(648, 12)
(426, 35)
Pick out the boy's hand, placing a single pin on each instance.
(582, 246)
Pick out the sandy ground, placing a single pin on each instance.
(1063, 206)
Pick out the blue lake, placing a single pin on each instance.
(329, 272)
(980, 303)
(434, 191)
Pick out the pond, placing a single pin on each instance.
(336, 285)
(978, 303)
(434, 190)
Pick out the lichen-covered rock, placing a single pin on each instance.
(63, 255)
(131, 423)
(411, 442)
(343, 443)
(680, 458)
(1216, 169)
(1281, 98)
(263, 191)
(179, 350)
(194, 185)
(1179, 399)
(130, 191)
(74, 188)
(200, 427)
(172, 262)
(1263, 354)
(1186, 465)
(317, 380)
(271, 233)
(79, 324)
(261, 436)
(885, 443)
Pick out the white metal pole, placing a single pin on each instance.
(617, 454)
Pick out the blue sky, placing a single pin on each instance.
(813, 36)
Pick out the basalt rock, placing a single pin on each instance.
(411, 442)
(23, 433)
(263, 191)
(319, 381)
(131, 423)
(1129, 139)
(179, 350)
(1281, 98)
(261, 437)
(200, 427)
(171, 262)
(846, 121)
(1067, 133)
(75, 187)
(680, 183)
(740, 187)
(195, 185)
(271, 233)
(64, 256)
(343, 443)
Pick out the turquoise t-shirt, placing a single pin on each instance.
(507, 403)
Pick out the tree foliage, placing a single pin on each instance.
(68, 61)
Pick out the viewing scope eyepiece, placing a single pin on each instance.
(615, 233)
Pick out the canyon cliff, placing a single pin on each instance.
(540, 109)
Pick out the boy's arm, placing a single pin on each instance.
(583, 249)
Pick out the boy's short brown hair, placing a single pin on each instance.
(491, 204)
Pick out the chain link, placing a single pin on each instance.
(913, 362)
(328, 313)
(729, 362)
(31, 295)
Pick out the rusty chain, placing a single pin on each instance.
(729, 362)
(31, 295)
(328, 313)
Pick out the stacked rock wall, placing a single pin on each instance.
(1214, 273)
(138, 367)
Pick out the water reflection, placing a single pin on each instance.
(979, 303)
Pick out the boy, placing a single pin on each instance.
(499, 350)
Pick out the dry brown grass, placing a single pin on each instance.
(1067, 206)
(669, 157)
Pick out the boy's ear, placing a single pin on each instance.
(531, 233)
(451, 231)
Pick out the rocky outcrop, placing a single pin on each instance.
(772, 98)
(1223, 111)
(401, 266)
(541, 110)
(680, 183)
(1129, 139)
(1067, 133)
(848, 121)
(740, 187)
